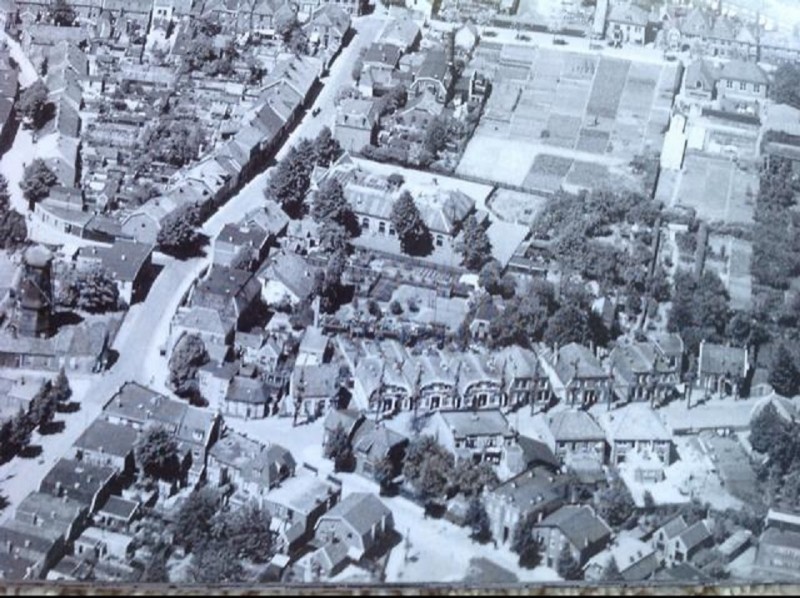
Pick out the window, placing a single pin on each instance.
(382, 227)
(729, 84)
(743, 86)
(757, 87)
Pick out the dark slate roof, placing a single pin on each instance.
(123, 261)
(120, 507)
(721, 359)
(247, 390)
(387, 54)
(77, 480)
(251, 235)
(579, 524)
(102, 436)
(434, 66)
(695, 535)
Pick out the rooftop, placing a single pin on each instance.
(478, 423)
(579, 524)
(573, 426)
(104, 437)
(361, 510)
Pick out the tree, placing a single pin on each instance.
(699, 308)
(37, 181)
(189, 354)
(62, 14)
(155, 570)
(411, 228)
(290, 180)
(477, 519)
(193, 525)
(784, 375)
(94, 291)
(429, 468)
(649, 501)
(60, 386)
(492, 279)
(766, 428)
(611, 571)
(157, 455)
(329, 203)
(13, 230)
(615, 503)
(436, 136)
(474, 245)
(176, 141)
(333, 237)
(247, 532)
(34, 105)
(525, 544)
(785, 88)
(178, 234)
(213, 565)
(569, 324)
(20, 433)
(470, 479)
(567, 566)
(385, 472)
(328, 149)
(337, 448)
(43, 408)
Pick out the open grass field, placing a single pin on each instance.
(513, 206)
(550, 106)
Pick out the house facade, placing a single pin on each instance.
(577, 528)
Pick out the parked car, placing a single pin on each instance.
(558, 41)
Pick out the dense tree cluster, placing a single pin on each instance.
(223, 540)
(15, 433)
(189, 354)
(785, 88)
(779, 439)
(62, 14)
(699, 308)
(92, 290)
(535, 316)
(37, 181)
(13, 231)
(173, 140)
(776, 238)
(290, 181)
(434, 474)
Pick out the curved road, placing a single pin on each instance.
(146, 324)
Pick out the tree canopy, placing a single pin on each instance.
(189, 354)
(525, 544)
(62, 14)
(157, 455)
(337, 448)
(474, 245)
(785, 88)
(93, 290)
(784, 375)
(699, 308)
(13, 230)
(179, 232)
(411, 228)
(34, 105)
(37, 181)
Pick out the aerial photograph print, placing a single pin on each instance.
(400, 296)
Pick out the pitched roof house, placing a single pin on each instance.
(575, 526)
(359, 521)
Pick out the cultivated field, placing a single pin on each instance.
(717, 189)
(562, 118)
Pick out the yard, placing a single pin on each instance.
(514, 206)
(717, 189)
